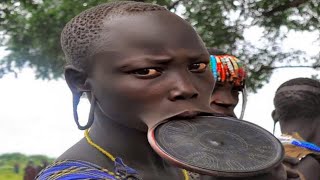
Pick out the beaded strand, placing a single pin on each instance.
(227, 68)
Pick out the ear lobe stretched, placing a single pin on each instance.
(76, 79)
(275, 120)
(78, 83)
(274, 116)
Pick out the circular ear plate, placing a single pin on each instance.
(217, 146)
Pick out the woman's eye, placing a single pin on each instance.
(198, 67)
(147, 72)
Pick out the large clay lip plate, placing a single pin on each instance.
(217, 146)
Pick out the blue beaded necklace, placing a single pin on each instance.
(285, 139)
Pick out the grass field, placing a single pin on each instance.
(7, 162)
(6, 173)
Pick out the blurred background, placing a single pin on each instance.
(278, 40)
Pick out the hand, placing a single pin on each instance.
(292, 174)
(278, 173)
(290, 161)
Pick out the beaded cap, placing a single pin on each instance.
(227, 68)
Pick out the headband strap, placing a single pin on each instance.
(299, 88)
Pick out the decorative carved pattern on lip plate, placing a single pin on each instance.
(219, 144)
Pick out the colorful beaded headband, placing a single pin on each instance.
(227, 68)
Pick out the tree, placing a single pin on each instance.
(31, 31)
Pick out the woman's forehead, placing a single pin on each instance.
(151, 31)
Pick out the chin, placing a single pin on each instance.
(222, 111)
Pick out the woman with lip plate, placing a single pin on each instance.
(139, 65)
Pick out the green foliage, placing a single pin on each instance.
(31, 31)
(12, 158)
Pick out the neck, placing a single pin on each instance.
(308, 129)
(129, 144)
(314, 136)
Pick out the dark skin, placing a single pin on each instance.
(308, 166)
(155, 68)
(225, 98)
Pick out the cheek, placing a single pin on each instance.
(205, 84)
(129, 91)
(218, 94)
(210, 81)
(143, 90)
(235, 97)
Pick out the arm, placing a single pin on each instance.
(309, 167)
(277, 173)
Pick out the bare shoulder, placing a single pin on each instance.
(78, 151)
(84, 152)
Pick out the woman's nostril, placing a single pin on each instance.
(225, 105)
(194, 96)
